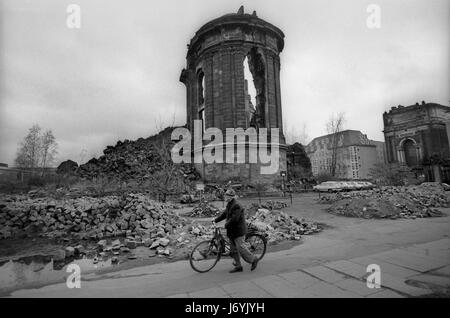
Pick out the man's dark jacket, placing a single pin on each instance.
(235, 219)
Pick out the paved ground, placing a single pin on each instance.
(413, 256)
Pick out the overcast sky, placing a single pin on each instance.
(117, 75)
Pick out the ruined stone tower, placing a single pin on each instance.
(217, 92)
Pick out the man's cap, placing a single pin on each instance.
(230, 192)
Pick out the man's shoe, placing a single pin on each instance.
(254, 264)
(236, 269)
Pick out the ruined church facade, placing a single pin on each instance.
(217, 92)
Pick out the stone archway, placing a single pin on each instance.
(409, 152)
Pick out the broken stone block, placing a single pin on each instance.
(155, 244)
(102, 244)
(70, 251)
(164, 241)
(130, 243)
(115, 243)
(147, 242)
(79, 249)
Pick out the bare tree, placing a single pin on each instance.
(168, 177)
(165, 179)
(37, 149)
(49, 149)
(29, 153)
(297, 134)
(334, 126)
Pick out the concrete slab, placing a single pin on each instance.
(356, 286)
(443, 271)
(386, 293)
(442, 254)
(432, 280)
(399, 285)
(327, 290)
(442, 244)
(245, 289)
(215, 292)
(325, 274)
(300, 279)
(184, 295)
(410, 260)
(394, 270)
(349, 268)
(280, 288)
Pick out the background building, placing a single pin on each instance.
(417, 137)
(355, 154)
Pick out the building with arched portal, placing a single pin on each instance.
(417, 137)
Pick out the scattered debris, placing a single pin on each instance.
(269, 205)
(189, 198)
(204, 209)
(280, 226)
(390, 202)
(87, 217)
(114, 226)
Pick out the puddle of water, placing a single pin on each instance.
(21, 272)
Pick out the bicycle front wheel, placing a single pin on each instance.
(258, 244)
(204, 256)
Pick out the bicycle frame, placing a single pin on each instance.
(220, 239)
(218, 246)
(223, 242)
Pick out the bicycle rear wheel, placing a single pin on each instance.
(258, 244)
(204, 256)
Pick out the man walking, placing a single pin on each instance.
(236, 230)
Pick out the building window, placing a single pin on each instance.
(201, 98)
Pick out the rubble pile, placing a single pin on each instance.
(204, 209)
(390, 202)
(87, 217)
(280, 226)
(135, 160)
(269, 205)
(118, 227)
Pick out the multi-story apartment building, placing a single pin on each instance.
(355, 154)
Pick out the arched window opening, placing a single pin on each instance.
(249, 91)
(254, 73)
(410, 151)
(201, 98)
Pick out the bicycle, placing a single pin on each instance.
(206, 254)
